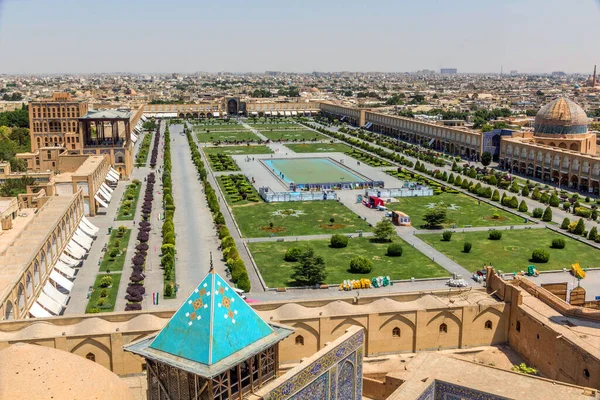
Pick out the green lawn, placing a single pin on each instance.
(267, 127)
(115, 264)
(110, 300)
(460, 210)
(319, 148)
(238, 150)
(276, 271)
(299, 134)
(296, 219)
(129, 202)
(223, 127)
(240, 136)
(512, 252)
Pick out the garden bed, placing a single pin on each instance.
(108, 294)
(118, 244)
(129, 202)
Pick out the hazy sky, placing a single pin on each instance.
(54, 36)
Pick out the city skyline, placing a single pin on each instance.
(301, 38)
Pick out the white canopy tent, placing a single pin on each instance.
(110, 178)
(294, 113)
(57, 296)
(87, 222)
(38, 311)
(86, 229)
(216, 114)
(61, 280)
(133, 138)
(85, 235)
(75, 250)
(81, 242)
(99, 200)
(107, 188)
(288, 114)
(70, 261)
(104, 194)
(50, 304)
(64, 269)
(114, 173)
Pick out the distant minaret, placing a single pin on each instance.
(594, 78)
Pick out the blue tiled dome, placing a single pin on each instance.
(561, 117)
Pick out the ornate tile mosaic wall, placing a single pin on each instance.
(337, 375)
(439, 390)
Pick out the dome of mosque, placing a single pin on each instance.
(561, 116)
(29, 371)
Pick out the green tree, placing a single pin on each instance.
(310, 270)
(593, 233)
(435, 217)
(523, 206)
(360, 265)
(384, 230)
(580, 227)
(496, 195)
(554, 200)
(565, 223)
(547, 216)
(525, 191)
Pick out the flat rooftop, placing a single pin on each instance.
(20, 247)
(89, 165)
(7, 237)
(465, 379)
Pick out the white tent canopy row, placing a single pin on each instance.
(55, 294)
(143, 118)
(61, 280)
(99, 200)
(134, 138)
(87, 223)
(64, 269)
(50, 304)
(38, 311)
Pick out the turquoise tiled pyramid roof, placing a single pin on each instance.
(212, 324)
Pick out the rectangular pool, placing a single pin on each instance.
(303, 171)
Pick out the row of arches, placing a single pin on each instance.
(398, 333)
(35, 274)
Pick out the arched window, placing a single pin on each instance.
(299, 340)
(396, 332)
(443, 328)
(91, 357)
(28, 285)
(518, 326)
(8, 315)
(488, 324)
(36, 273)
(20, 296)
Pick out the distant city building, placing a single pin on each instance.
(273, 73)
(514, 72)
(448, 71)
(558, 73)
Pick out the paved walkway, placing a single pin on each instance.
(300, 238)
